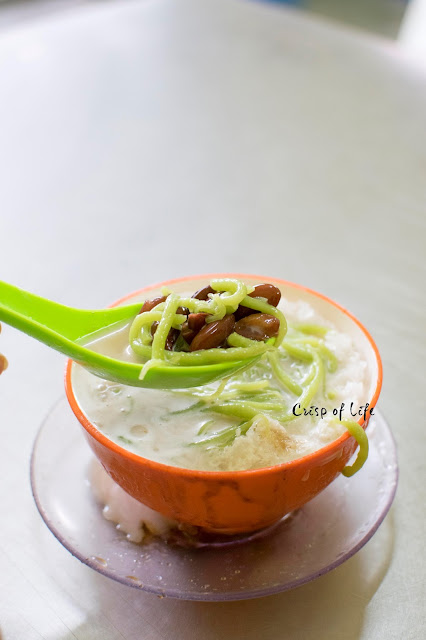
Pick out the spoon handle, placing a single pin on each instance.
(42, 318)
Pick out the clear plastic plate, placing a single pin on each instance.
(310, 542)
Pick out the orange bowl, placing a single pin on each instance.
(234, 501)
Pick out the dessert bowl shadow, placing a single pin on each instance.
(234, 502)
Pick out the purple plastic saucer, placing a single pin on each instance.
(312, 541)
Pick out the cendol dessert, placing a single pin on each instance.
(304, 390)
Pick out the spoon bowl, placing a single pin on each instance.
(66, 329)
(231, 502)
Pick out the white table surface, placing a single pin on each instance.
(146, 140)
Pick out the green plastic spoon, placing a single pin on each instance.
(65, 329)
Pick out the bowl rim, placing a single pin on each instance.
(319, 455)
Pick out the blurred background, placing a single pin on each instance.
(403, 21)
(380, 16)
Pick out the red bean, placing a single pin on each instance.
(197, 320)
(187, 334)
(268, 291)
(171, 339)
(172, 336)
(214, 334)
(251, 324)
(150, 304)
(203, 294)
(193, 325)
(154, 327)
(182, 310)
(258, 326)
